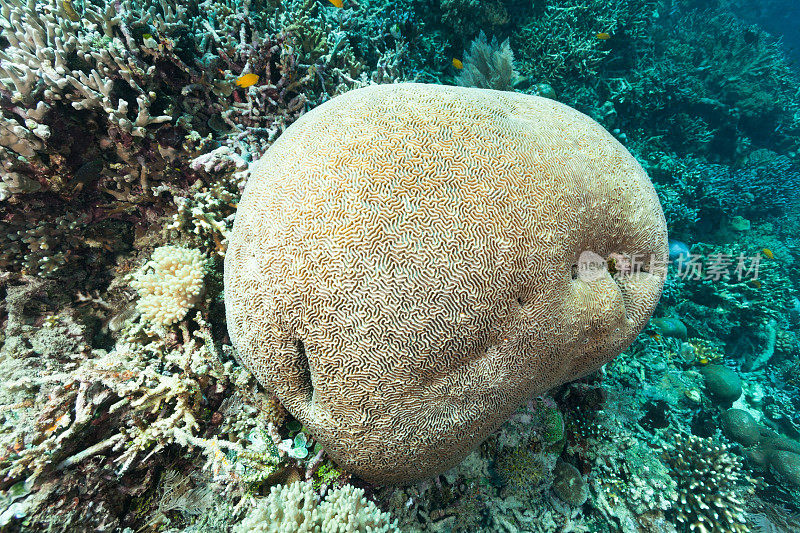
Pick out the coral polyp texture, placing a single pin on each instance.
(401, 272)
(169, 284)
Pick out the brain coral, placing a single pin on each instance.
(401, 272)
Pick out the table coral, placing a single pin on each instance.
(404, 288)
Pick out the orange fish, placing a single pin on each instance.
(458, 64)
(768, 253)
(337, 3)
(653, 335)
(603, 36)
(247, 80)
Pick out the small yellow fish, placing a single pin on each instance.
(337, 3)
(69, 9)
(458, 64)
(768, 253)
(755, 283)
(603, 36)
(247, 80)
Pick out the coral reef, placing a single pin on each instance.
(711, 485)
(170, 284)
(767, 187)
(109, 114)
(126, 142)
(560, 42)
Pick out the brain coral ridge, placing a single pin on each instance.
(401, 271)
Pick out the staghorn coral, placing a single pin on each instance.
(390, 354)
(770, 187)
(710, 485)
(558, 45)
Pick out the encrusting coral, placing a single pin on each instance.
(392, 353)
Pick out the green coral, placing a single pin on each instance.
(326, 474)
(553, 424)
(559, 45)
(260, 460)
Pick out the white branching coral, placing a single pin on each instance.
(347, 509)
(169, 284)
(297, 508)
(711, 485)
(208, 214)
(43, 43)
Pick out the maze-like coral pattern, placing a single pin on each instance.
(401, 269)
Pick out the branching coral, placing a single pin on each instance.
(770, 187)
(111, 410)
(170, 284)
(298, 508)
(110, 113)
(710, 483)
(711, 85)
(560, 44)
(207, 214)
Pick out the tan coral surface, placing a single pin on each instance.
(401, 268)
